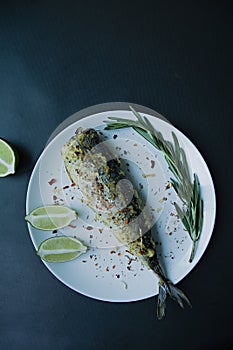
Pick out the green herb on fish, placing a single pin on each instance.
(187, 190)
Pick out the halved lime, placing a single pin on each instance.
(61, 249)
(7, 159)
(51, 217)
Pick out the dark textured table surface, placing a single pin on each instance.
(59, 57)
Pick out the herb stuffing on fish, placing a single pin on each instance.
(98, 175)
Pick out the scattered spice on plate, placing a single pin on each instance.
(147, 175)
(169, 185)
(52, 181)
(130, 261)
(127, 251)
(72, 226)
(152, 164)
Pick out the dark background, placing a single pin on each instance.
(58, 57)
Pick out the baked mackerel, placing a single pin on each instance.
(98, 174)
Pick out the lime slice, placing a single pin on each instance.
(7, 159)
(51, 217)
(60, 249)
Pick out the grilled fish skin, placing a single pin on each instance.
(98, 175)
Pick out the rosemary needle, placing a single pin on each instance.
(187, 189)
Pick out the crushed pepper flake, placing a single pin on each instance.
(128, 251)
(169, 185)
(152, 164)
(130, 261)
(52, 181)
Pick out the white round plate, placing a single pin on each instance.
(108, 271)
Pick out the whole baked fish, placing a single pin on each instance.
(98, 174)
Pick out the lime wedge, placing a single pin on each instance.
(7, 159)
(51, 217)
(60, 249)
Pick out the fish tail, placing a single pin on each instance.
(166, 288)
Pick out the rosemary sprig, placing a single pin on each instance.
(188, 190)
